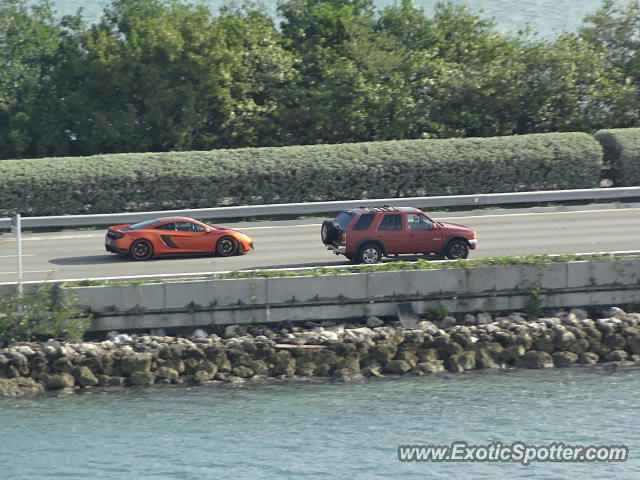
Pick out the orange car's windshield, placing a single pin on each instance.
(136, 226)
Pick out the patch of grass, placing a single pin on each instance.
(420, 264)
(43, 314)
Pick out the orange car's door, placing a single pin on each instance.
(191, 237)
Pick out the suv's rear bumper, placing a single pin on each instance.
(338, 249)
(473, 243)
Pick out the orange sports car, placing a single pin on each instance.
(171, 235)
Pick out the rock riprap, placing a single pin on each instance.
(341, 352)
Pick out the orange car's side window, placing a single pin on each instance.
(167, 226)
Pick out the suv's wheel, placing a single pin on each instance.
(328, 232)
(141, 250)
(457, 249)
(227, 246)
(369, 253)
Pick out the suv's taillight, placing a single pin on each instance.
(342, 237)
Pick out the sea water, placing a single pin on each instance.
(546, 17)
(324, 430)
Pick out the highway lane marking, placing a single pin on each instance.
(28, 271)
(24, 255)
(315, 225)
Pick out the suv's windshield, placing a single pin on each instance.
(342, 220)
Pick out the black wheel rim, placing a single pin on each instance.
(227, 246)
(141, 250)
(458, 250)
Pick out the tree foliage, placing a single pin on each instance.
(162, 75)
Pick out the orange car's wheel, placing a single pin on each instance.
(141, 250)
(227, 246)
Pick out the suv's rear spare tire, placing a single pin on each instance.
(328, 232)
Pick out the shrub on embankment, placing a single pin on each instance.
(478, 342)
(177, 180)
(621, 155)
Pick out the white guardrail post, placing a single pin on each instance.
(16, 226)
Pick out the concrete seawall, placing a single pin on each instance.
(346, 296)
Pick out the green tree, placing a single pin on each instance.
(615, 30)
(29, 40)
(348, 86)
(160, 76)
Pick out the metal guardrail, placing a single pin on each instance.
(324, 207)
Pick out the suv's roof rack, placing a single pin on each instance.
(383, 208)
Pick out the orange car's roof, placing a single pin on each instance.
(177, 219)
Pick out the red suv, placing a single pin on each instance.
(366, 234)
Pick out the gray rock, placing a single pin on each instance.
(85, 377)
(616, 356)
(347, 375)
(373, 322)
(372, 371)
(305, 369)
(618, 313)
(397, 367)
(634, 345)
(18, 360)
(598, 347)
(202, 376)
(242, 371)
(544, 342)
(20, 387)
(615, 341)
(121, 338)
(459, 362)
(62, 365)
(428, 327)
(142, 378)
(58, 381)
(579, 313)
(564, 359)
(427, 355)
(136, 362)
(234, 331)
(564, 340)
(408, 356)
(428, 368)
(491, 328)
(168, 374)
(447, 322)
(25, 350)
(199, 333)
(605, 326)
(509, 354)
(588, 358)
(535, 359)
(285, 364)
(486, 359)
(484, 318)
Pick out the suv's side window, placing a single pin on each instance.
(391, 222)
(418, 222)
(364, 222)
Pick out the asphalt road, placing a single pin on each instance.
(78, 255)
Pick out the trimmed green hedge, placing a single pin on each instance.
(621, 155)
(160, 181)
